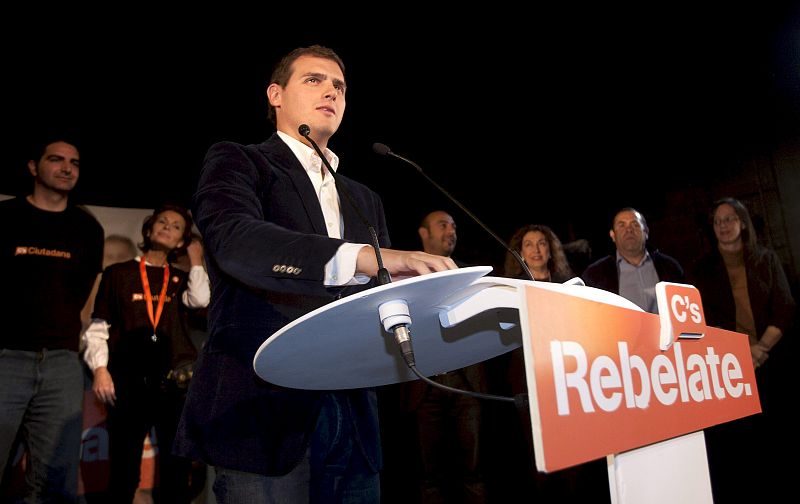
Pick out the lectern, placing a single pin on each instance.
(605, 379)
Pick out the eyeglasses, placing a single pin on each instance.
(728, 219)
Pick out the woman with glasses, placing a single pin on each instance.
(744, 289)
(743, 284)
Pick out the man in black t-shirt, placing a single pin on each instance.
(50, 255)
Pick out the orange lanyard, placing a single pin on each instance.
(148, 296)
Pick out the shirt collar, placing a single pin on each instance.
(621, 259)
(308, 156)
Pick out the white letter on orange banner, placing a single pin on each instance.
(666, 378)
(575, 379)
(604, 365)
(642, 399)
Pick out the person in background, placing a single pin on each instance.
(437, 231)
(744, 289)
(140, 352)
(634, 271)
(50, 256)
(542, 252)
(118, 249)
(742, 284)
(448, 424)
(279, 244)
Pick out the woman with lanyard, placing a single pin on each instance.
(138, 347)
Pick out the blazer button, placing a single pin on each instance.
(282, 268)
(290, 270)
(276, 268)
(297, 271)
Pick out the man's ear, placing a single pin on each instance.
(423, 233)
(32, 168)
(274, 94)
(613, 236)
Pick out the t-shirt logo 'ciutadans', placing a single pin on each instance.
(42, 252)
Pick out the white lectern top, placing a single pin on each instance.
(343, 345)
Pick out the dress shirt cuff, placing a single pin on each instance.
(198, 291)
(341, 269)
(96, 338)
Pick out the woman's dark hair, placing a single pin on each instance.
(557, 264)
(147, 227)
(747, 230)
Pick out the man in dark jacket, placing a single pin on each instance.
(279, 244)
(633, 272)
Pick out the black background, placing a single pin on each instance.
(557, 116)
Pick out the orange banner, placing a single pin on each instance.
(600, 384)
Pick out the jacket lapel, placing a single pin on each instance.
(285, 160)
(352, 224)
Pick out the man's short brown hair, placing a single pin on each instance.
(283, 70)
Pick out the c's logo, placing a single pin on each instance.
(680, 311)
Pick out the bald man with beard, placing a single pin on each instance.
(438, 233)
(448, 424)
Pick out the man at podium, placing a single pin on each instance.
(280, 243)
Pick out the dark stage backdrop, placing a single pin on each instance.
(559, 117)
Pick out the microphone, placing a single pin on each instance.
(383, 274)
(396, 322)
(384, 150)
(519, 400)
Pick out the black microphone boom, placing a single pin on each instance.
(401, 333)
(384, 150)
(383, 274)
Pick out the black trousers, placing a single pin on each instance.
(143, 405)
(449, 435)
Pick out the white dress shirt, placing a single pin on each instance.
(341, 269)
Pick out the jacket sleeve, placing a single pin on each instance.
(781, 302)
(229, 206)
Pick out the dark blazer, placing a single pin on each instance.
(266, 247)
(603, 274)
(767, 288)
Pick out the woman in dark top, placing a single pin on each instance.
(139, 349)
(544, 255)
(744, 289)
(743, 285)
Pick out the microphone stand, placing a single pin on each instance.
(520, 400)
(394, 314)
(383, 274)
(384, 150)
